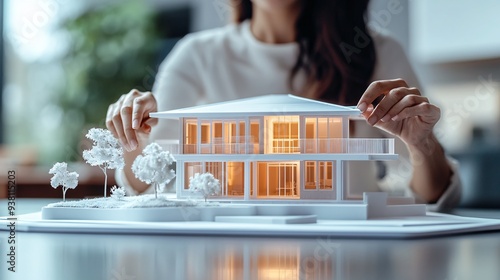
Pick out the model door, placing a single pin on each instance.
(278, 180)
(319, 180)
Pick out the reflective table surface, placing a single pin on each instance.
(123, 257)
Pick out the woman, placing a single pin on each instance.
(319, 49)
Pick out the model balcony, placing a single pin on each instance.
(290, 146)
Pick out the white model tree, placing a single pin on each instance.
(62, 177)
(205, 184)
(106, 152)
(118, 193)
(154, 167)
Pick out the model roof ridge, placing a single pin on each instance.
(271, 104)
(267, 96)
(353, 108)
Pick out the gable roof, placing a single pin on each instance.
(273, 104)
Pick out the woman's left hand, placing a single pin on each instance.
(402, 111)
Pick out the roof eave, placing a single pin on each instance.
(177, 115)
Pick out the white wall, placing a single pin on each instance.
(463, 30)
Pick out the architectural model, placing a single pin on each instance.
(273, 165)
(280, 148)
(278, 158)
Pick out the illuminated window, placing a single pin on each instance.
(191, 168)
(282, 134)
(190, 136)
(205, 133)
(319, 175)
(254, 138)
(310, 180)
(325, 175)
(335, 128)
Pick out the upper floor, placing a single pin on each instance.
(274, 135)
(273, 124)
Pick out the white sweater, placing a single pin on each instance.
(230, 63)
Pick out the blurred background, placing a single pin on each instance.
(65, 61)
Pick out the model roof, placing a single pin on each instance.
(273, 104)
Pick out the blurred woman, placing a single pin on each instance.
(320, 49)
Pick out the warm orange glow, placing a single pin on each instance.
(190, 136)
(323, 128)
(191, 132)
(271, 263)
(282, 264)
(235, 178)
(205, 133)
(230, 177)
(279, 273)
(191, 168)
(319, 175)
(278, 180)
(217, 129)
(282, 134)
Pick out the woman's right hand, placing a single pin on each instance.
(129, 116)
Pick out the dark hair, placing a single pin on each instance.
(338, 66)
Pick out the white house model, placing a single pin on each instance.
(277, 148)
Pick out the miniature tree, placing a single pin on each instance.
(62, 177)
(205, 183)
(106, 152)
(118, 193)
(154, 167)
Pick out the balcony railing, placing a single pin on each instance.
(170, 145)
(344, 146)
(292, 146)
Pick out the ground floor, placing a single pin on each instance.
(247, 180)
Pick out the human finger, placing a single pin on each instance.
(148, 124)
(427, 113)
(393, 97)
(126, 112)
(118, 124)
(142, 106)
(119, 131)
(110, 113)
(376, 89)
(109, 120)
(407, 101)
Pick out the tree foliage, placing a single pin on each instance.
(205, 184)
(154, 166)
(62, 177)
(106, 152)
(118, 193)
